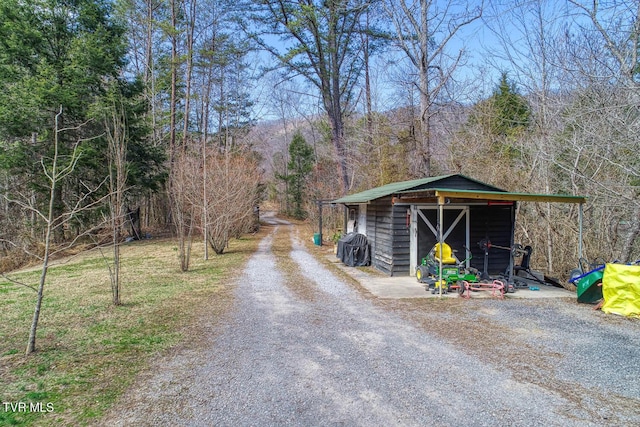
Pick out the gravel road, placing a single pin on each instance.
(302, 346)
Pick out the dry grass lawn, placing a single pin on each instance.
(88, 351)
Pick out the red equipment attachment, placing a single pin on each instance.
(496, 287)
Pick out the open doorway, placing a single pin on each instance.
(455, 230)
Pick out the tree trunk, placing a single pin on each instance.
(53, 180)
(332, 97)
(425, 131)
(337, 136)
(115, 275)
(367, 86)
(632, 236)
(117, 183)
(31, 345)
(188, 72)
(174, 83)
(425, 95)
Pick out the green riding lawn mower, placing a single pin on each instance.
(454, 271)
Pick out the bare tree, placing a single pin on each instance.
(618, 26)
(173, 101)
(528, 34)
(146, 31)
(117, 140)
(55, 169)
(576, 63)
(183, 202)
(425, 29)
(323, 47)
(234, 184)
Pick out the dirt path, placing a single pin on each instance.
(303, 347)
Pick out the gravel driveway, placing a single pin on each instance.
(303, 346)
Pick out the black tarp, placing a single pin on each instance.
(353, 250)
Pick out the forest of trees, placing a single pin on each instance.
(186, 109)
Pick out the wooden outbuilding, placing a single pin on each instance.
(403, 220)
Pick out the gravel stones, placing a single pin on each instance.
(342, 359)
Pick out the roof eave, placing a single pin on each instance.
(506, 196)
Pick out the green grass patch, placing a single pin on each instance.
(88, 350)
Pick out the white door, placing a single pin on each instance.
(362, 219)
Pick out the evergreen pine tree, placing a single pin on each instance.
(300, 165)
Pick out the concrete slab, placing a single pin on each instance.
(408, 287)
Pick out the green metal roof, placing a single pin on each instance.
(386, 190)
(412, 186)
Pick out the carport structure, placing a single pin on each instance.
(403, 220)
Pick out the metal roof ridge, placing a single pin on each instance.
(387, 189)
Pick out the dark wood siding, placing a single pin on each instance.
(380, 234)
(389, 237)
(401, 242)
(496, 224)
